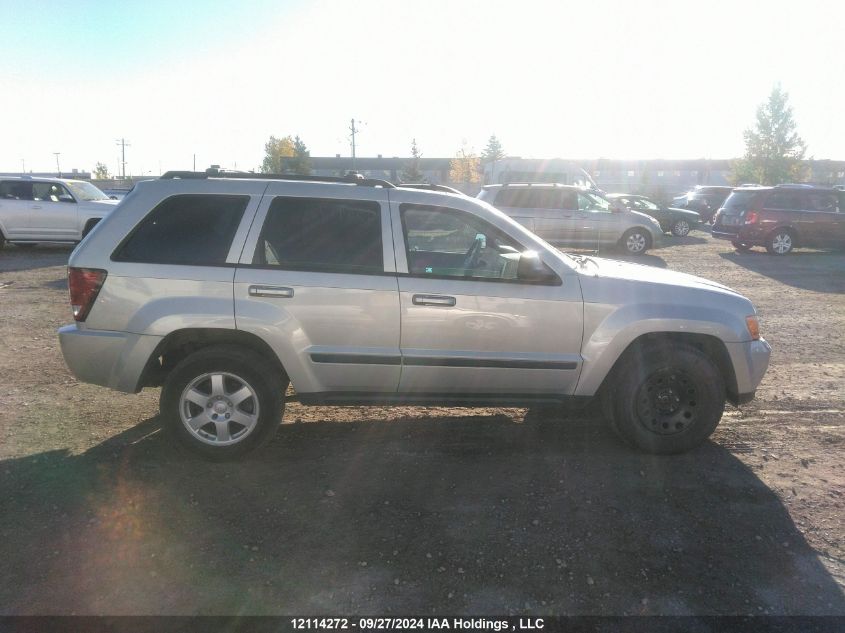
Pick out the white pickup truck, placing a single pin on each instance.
(36, 210)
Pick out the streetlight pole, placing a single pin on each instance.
(58, 168)
(23, 167)
(354, 131)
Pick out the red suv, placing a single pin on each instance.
(782, 218)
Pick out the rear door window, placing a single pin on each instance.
(822, 201)
(322, 234)
(785, 201)
(192, 230)
(531, 198)
(15, 190)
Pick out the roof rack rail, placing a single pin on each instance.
(430, 187)
(221, 173)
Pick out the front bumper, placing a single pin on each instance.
(110, 359)
(750, 361)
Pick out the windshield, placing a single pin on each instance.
(588, 200)
(647, 204)
(86, 191)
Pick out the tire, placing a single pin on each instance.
(218, 373)
(680, 228)
(742, 247)
(665, 399)
(636, 241)
(780, 242)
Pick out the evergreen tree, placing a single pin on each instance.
(492, 153)
(301, 163)
(411, 171)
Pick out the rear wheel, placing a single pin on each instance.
(223, 401)
(781, 242)
(680, 228)
(742, 247)
(636, 241)
(665, 399)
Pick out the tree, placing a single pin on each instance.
(773, 150)
(465, 167)
(493, 151)
(301, 162)
(101, 172)
(274, 151)
(411, 171)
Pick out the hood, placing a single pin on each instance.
(103, 206)
(689, 212)
(625, 271)
(643, 217)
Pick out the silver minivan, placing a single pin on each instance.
(566, 215)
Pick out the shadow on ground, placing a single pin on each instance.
(15, 258)
(476, 515)
(810, 270)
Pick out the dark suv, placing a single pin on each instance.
(782, 218)
(704, 200)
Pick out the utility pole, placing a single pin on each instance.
(354, 131)
(195, 162)
(123, 145)
(23, 166)
(58, 169)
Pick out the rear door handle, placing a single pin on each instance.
(277, 292)
(433, 300)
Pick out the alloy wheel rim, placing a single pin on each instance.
(667, 403)
(219, 408)
(682, 228)
(635, 242)
(782, 243)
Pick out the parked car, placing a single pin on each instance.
(678, 222)
(116, 194)
(782, 218)
(36, 210)
(703, 199)
(225, 289)
(566, 215)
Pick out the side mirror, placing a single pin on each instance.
(532, 268)
(112, 197)
(66, 199)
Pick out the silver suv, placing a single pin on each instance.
(34, 209)
(225, 289)
(566, 215)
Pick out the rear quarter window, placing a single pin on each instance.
(193, 230)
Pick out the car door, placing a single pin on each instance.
(823, 224)
(317, 281)
(15, 203)
(597, 224)
(469, 325)
(53, 212)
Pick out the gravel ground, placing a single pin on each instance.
(428, 510)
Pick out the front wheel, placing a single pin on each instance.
(636, 241)
(781, 242)
(223, 401)
(665, 399)
(680, 228)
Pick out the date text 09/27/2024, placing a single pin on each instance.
(419, 624)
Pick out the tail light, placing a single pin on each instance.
(84, 285)
(751, 217)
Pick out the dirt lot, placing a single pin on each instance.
(415, 510)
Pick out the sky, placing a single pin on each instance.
(591, 79)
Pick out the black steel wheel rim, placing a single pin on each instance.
(667, 402)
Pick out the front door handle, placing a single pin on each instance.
(35, 206)
(277, 292)
(433, 300)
